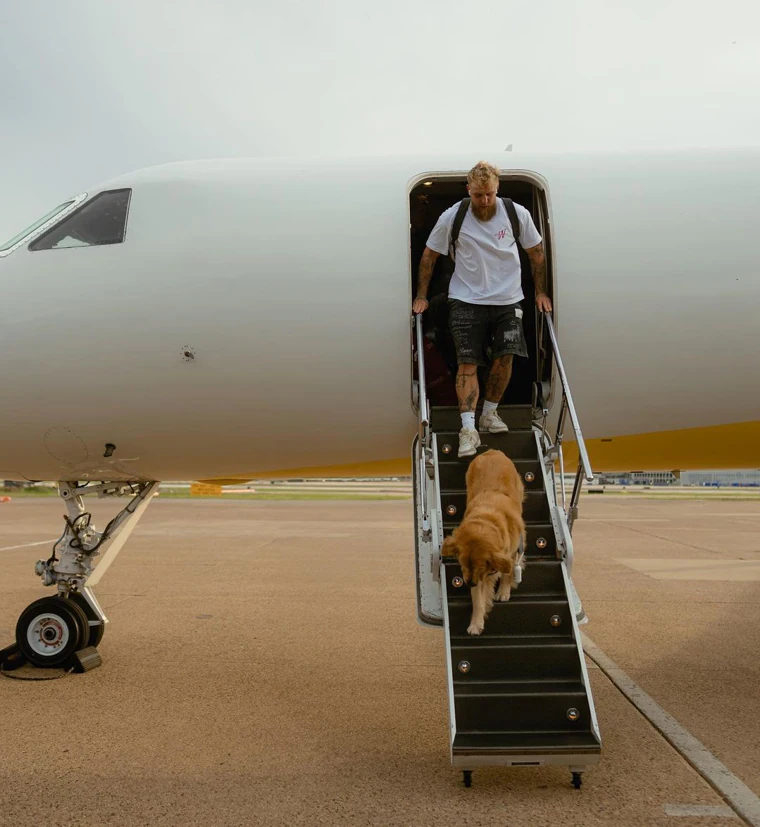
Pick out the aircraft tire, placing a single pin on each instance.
(94, 633)
(50, 630)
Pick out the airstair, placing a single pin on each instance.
(519, 693)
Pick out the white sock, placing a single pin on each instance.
(489, 407)
(468, 420)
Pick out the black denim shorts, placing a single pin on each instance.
(475, 327)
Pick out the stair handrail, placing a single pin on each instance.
(568, 406)
(423, 410)
(423, 424)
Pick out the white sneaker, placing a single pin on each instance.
(492, 423)
(468, 443)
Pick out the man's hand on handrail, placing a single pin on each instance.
(543, 303)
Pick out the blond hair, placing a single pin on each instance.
(482, 173)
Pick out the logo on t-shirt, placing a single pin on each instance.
(501, 234)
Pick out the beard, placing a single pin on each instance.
(484, 213)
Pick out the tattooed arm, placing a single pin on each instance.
(427, 263)
(538, 266)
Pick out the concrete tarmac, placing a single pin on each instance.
(263, 666)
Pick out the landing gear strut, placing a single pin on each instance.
(51, 631)
(577, 780)
(467, 777)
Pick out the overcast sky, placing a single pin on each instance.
(90, 89)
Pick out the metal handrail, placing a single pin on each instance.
(424, 424)
(584, 464)
(424, 414)
(569, 398)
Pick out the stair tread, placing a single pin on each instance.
(508, 689)
(473, 741)
(494, 639)
(513, 642)
(463, 492)
(451, 560)
(518, 417)
(516, 407)
(516, 597)
(529, 524)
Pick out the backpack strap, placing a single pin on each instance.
(462, 211)
(513, 219)
(457, 226)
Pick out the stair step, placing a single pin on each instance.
(536, 532)
(448, 418)
(517, 595)
(517, 445)
(535, 507)
(539, 577)
(515, 618)
(536, 661)
(538, 743)
(508, 641)
(452, 474)
(518, 688)
(532, 712)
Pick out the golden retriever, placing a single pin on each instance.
(487, 541)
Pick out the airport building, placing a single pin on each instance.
(739, 478)
(734, 478)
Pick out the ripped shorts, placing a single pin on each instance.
(475, 327)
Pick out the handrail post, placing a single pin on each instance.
(572, 512)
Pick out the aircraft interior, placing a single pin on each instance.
(427, 201)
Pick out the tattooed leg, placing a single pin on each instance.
(498, 378)
(467, 387)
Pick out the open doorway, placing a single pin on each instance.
(428, 198)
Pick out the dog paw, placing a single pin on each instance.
(503, 595)
(474, 629)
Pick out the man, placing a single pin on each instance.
(484, 296)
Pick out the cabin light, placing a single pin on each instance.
(427, 183)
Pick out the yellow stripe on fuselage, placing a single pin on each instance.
(718, 446)
(382, 468)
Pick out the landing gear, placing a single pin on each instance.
(50, 630)
(577, 780)
(96, 627)
(65, 630)
(467, 777)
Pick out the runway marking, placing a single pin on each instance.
(738, 795)
(698, 811)
(29, 545)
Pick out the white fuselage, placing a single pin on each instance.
(289, 285)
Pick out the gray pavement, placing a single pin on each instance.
(263, 666)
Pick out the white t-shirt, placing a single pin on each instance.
(487, 269)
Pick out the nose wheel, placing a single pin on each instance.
(51, 630)
(96, 632)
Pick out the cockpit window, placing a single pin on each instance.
(103, 220)
(17, 239)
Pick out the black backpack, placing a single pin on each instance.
(462, 211)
